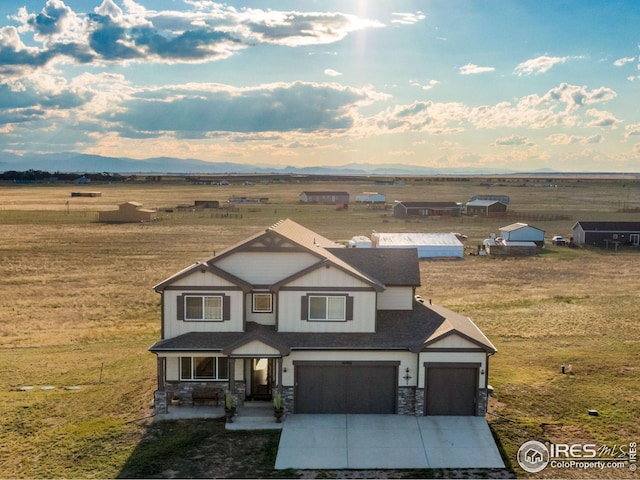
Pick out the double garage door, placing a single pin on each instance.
(371, 387)
(346, 387)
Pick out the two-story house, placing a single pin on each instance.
(334, 329)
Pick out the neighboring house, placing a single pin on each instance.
(324, 197)
(371, 197)
(426, 209)
(486, 208)
(604, 234)
(521, 232)
(334, 329)
(496, 198)
(128, 212)
(206, 204)
(428, 245)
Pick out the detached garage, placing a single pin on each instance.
(346, 387)
(429, 245)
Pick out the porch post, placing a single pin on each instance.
(232, 375)
(161, 361)
(279, 384)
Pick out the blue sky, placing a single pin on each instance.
(511, 84)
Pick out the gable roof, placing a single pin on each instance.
(391, 266)
(608, 226)
(203, 267)
(303, 238)
(429, 204)
(455, 323)
(483, 203)
(518, 226)
(320, 192)
(396, 330)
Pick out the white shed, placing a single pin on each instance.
(429, 245)
(521, 232)
(371, 197)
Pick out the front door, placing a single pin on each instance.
(634, 239)
(262, 378)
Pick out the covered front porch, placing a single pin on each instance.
(196, 380)
(252, 415)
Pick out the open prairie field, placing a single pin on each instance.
(77, 313)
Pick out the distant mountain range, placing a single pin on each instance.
(83, 163)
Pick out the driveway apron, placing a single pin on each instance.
(337, 441)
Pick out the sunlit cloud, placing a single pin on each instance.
(471, 69)
(408, 18)
(538, 65)
(513, 140)
(623, 61)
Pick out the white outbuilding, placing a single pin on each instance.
(429, 245)
(371, 197)
(360, 241)
(522, 232)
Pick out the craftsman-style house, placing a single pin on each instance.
(334, 329)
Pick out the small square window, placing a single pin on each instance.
(262, 303)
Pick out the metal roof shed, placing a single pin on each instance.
(429, 245)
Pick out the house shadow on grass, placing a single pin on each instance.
(203, 448)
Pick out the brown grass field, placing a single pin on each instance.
(77, 309)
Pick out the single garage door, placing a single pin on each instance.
(451, 390)
(350, 387)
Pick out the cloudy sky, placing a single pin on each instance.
(513, 84)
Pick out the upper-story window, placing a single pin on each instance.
(203, 307)
(262, 303)
(326, 308)
(198, 307)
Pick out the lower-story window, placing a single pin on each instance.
(204, 368)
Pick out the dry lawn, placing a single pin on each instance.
(77, 309)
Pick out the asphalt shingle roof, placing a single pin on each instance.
(396, 330)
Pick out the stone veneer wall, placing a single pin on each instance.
(184, 390)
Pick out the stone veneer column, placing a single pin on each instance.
(160, 401)
(481, 407)
(406, 400)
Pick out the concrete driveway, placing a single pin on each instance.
(385, 441)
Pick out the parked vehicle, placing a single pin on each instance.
(558, 240)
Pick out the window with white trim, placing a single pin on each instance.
(327, 308)
(204, 368)
(262, 303)
(200, 307)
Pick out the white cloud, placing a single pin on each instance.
(427, 86)
(471, 69)
(332, 73)
(622, 61)
(408, 18)
(632, 130)
(513, 140)
(564, 139)
(602, 119)
(538, 65)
